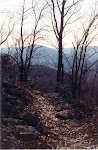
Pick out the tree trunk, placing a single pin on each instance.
(74, 91)
(60, 65)
(62, 74)
(60, 57)
(23, 75)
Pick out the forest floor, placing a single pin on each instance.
(57, 133)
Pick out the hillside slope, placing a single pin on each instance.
(44, 76)
(21, 130)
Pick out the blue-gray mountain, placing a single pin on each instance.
(46, 56)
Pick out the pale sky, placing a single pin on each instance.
(12, 7)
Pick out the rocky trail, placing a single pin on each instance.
(67, 133)
(42, 122)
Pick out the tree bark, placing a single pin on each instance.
(60, 57)
(59, 71)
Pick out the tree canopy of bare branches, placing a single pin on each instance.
(61, 15)
(5, 34)
(82, 54)
(24, 53)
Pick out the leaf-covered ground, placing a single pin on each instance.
(69, 133)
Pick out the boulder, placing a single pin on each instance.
(26, 133)
(8, 140)
(32, 119)
(67, 106)
(66, 114)
(9, 110)
(59, 108)
(53, 95)
(11, 121)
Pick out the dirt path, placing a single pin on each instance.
(63, 133)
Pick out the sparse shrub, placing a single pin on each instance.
(65, 92)
(32, 83)
(8, 66)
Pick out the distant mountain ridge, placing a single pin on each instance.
(46, 56)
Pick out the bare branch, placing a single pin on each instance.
(9, 33)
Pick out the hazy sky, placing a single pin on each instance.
(12, 7)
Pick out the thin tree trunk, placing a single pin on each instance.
(60, 57)
(59, 66)
(62, 74)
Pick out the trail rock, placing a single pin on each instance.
(9, 110)
(67, 106)
(11, 121)
(59, 108)
(8, 140)
(26, 133)
(32, 119)
(65, 114)
(53, 95)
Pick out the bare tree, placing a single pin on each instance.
(81, 60)
(24, 53)
(61, 15)
(4, 35)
